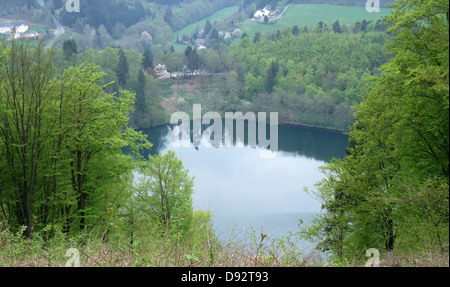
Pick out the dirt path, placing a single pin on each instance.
(59, 28)
(281, 14)
(58, 32)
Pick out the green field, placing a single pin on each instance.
(311, 14)
(189, 30)
(298, 14)
(33, 27)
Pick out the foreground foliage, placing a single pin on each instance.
(391, 191)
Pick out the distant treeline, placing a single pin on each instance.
(107, 13)
(274, 3)
(314, 77)
(18, 8)
(311, 76)
(391, 192)
(385, 3)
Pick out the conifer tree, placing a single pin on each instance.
(271, 76)
(122, 69)
(147, 59)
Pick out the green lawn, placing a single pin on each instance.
(311, 14)
(298, 14)
(189, 30)
(33, 27)
(38, 28)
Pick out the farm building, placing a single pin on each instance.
(5, 28)
(161, 70)
(21, 28)
(262, 13)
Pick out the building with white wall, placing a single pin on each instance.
(5, 28)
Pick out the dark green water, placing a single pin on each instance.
(244, 191)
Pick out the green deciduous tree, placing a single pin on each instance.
(193, 60)
(25, 75)
(391, 191)
(337, 27)
(61, 139)
(166, 191)
(70, 48)
(257, 37)
(322, 63)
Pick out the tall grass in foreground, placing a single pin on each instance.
(154, 249)
(201, 249)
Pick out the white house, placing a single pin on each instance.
(5, 28)
(30, 34)
(227, 36)
(262, 13)
(21, 28)
(15, 36)
(8, 28)
(161, 70)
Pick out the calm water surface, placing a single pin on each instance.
(243, 190)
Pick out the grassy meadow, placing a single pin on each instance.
(298, 14)
(190, 29)
(311, 14)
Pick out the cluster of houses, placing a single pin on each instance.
(177, 75)
(199, 39)
(19, 31)
(161, 70)
(162, 73)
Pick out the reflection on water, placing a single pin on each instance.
(242, 189)
(318, 144)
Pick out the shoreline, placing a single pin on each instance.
(280, 124)
(313, 127)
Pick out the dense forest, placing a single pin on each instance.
(71, 147)
(64, 169)
(392, 190)
(137, 24)
(313, 77)
(284, 71)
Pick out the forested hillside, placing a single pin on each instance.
(74, 170)
(392, 190)
(310, 76)
(19, 8)
(136, 24)
(280, 3)
(313, 77)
